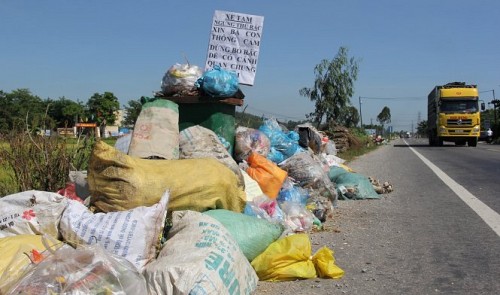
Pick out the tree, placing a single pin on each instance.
(65, 112)
(132, 112)
(384, 116)
(422, 128)
(351, 117)
(102, 109)
(333, 88)
(19, 108)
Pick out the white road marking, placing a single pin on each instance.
(489, 216)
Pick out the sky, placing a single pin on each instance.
(73, 49)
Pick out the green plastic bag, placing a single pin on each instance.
(252, 234)
(355, 186)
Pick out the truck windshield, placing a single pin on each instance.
(459, 106)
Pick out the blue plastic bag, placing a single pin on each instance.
(218, 82)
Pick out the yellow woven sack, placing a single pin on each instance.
(120, 182)
(290, 258)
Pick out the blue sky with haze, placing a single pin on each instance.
(77, 48)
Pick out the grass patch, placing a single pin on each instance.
(353, 153)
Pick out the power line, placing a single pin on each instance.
(396, 98)
(276, 114)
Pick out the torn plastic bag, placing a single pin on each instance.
(264, 207)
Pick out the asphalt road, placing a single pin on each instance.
(437, 233)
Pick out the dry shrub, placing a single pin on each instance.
(354, 142)
(37, 162)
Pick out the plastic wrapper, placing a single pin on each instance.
(218, 82)
(85, 270)
(329, 147)
(180, 78)
(250, 140)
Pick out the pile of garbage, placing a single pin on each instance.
(169, 211)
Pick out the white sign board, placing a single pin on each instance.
(234, 44)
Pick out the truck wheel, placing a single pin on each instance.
(440, 141)
(472, 142)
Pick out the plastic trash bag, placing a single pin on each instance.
(291, 192)
(250, 140)
(355, 186)
(119, 182)
(180, 78)
(297, 217)
(198, 142)
(269, 176)
(309, 173)
(335, 172)
(266, 208)
(18, 253)
(290, 258)
(84, 270)
(218, 82)
(286, 143)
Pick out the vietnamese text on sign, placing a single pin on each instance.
(234, 44)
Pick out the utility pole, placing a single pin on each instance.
(360, 114)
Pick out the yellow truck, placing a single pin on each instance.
(453, 114)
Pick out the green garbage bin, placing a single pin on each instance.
(217, 115)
